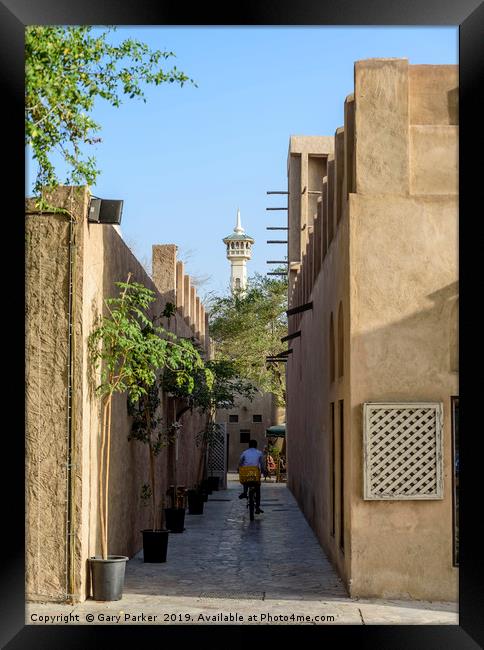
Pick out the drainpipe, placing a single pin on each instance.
(70, 430)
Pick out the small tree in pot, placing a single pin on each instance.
(182, 360)
(221, 392)
(128, 350)
(147, 428)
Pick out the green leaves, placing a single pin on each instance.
(146, 425)
(67, 68)
(248, 327)
(216, 385)
(128, 349)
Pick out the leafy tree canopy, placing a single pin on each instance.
(221, 392)
(67, 69)
(130, 349)
(248, 326)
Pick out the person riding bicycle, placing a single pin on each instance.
(254, 458)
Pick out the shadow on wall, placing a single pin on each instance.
(129, 460)
(412, 358)
(453, 105)
(414, 347)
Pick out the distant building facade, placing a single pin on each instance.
(372, 383)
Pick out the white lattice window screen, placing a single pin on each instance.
(403, 450)
(217, 455)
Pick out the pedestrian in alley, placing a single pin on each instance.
(269, 464)
(254, 458)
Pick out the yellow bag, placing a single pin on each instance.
(249, 473)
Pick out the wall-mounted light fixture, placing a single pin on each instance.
(105, 211)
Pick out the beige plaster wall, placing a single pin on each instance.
(434, 159)
(392, 265)
(381, 123)
(106, 260)
(310, 392)
(402, 307)
(433, 94)
(403, 292)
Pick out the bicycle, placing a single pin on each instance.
(251, 498)
(250, 476)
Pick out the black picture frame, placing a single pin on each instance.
(468, 15)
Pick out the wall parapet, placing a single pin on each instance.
(177, 287)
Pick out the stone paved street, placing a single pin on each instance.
(223, 565)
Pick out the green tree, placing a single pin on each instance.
(248, 326)
(128, 350)
(220, 392)
(67, 69)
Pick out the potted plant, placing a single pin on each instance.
(127, 349)
(175, 513)
(213, 482)
(146, 428)
(196, 499)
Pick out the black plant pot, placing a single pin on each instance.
(175, 519)
(206, 485)
(155, 545)
(213, 481)
(195, 502)
(107, 577)
(204, 494)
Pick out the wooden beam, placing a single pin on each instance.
(284, 353)
(294, 335)
(300, 308)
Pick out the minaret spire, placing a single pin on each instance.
(238, 228)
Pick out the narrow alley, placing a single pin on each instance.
(226, 569)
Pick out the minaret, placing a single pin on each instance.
(239, 250)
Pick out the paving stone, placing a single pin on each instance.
(223, 558)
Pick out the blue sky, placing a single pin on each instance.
(184, 161)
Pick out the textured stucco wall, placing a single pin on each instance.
(46, 405)
(100, 258)
(47, 355)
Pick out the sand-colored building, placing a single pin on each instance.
(372, 383)
(249, 419)
(64, 249)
